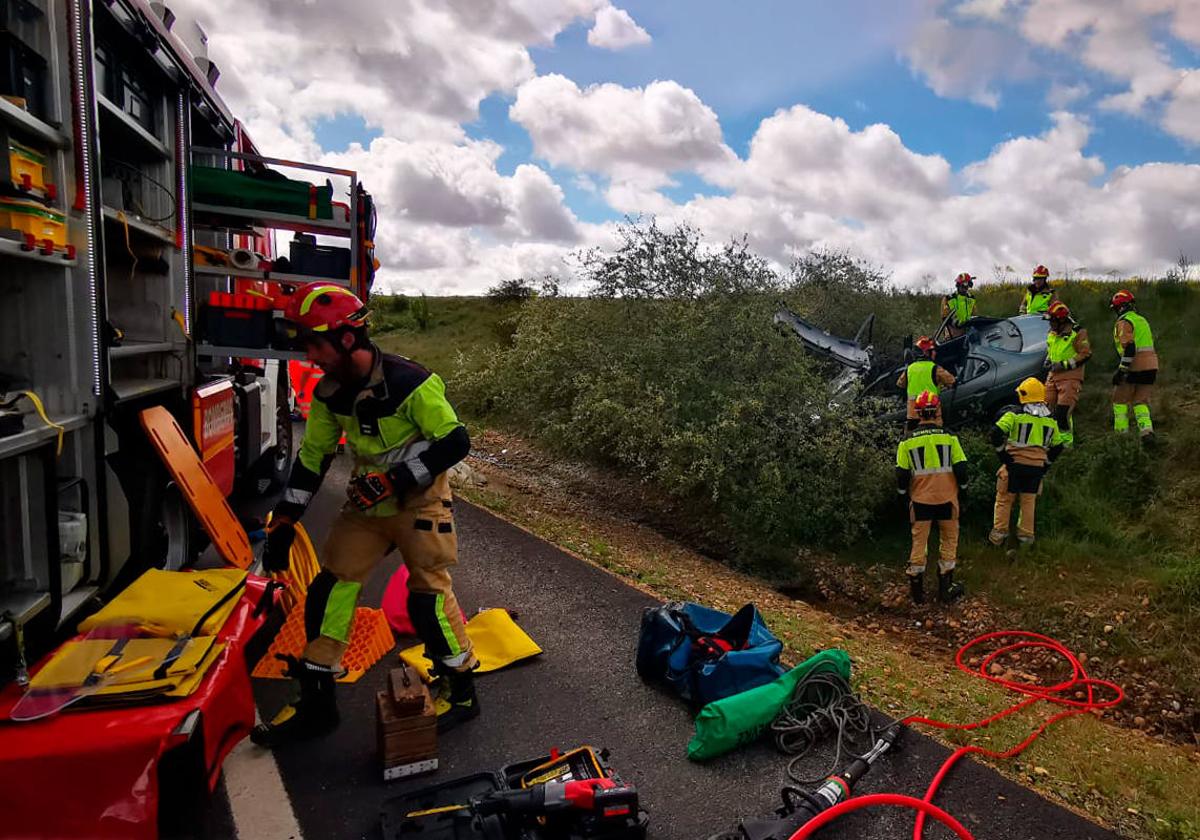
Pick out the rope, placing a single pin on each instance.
(823, 704)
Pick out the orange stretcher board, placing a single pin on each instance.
(203, 496)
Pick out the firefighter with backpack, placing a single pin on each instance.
(931, 469)
(1027, 440)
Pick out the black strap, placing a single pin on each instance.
(173, 654)
(221, 602)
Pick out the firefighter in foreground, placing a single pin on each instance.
(924, 375)
(1134, 379)
(1028, 441)
(403, 436)
(959, 306)
(1067, 351)
(1039, 295)
(931, 469)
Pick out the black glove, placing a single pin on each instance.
(1119, 376)
(277, 556)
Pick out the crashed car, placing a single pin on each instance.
(989, 360)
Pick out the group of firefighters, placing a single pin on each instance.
(930, 463)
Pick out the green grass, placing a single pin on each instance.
(460, 330)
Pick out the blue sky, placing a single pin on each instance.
(1017, 131)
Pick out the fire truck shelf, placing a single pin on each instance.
(22, 606)
(272, 276)
(129, 131)
(138, 227)
(246, 352)
(13, 249)
(129, 389)
(140, 348)
(240, 219)
(37, 434)
(23, 120)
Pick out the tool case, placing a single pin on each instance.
(457, 824)
(306, 257)
(237, 320)
(416, 815)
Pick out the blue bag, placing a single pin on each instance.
(705, 654)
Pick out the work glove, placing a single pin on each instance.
(1119, 376)
(366, 491)
(277, 556)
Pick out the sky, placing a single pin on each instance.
(928, 137)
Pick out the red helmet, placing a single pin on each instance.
(1041, 273)
(964, 280)
(1058, 311)
(322, 307)
(927, 402)
(1121, 299)
(925, 344)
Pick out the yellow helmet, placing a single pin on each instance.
(1031, 391)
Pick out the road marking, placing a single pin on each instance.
(259, 801)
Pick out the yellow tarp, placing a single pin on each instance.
(74, 662)
(497, 640)
(173, 603)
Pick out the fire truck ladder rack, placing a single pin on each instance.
(252, 221)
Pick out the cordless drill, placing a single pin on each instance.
(602, 799)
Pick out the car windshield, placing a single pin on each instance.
(1002, 335)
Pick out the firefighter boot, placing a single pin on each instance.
(948, 590)
(313, 714)
(455, 701)
(916, 585)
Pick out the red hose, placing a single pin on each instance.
(921, 806)
(1059, 694)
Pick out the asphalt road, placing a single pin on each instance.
(584, 690)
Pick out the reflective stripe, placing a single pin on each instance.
(447, 631)
(297, 497)
(457, 661)
(313, 294)
(420, 472)
(339, 610)
(932, 470)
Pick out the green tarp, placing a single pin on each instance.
(726, 724)
(269, 192)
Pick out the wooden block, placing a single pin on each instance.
(405, 739)
(408, 692)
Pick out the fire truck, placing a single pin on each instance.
(145, 245)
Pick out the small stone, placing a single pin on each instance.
(1108, 628)
(1041, 771)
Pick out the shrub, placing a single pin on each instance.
(511, 291)
(673, 371)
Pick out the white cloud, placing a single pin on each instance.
(616, 30)
(1122, 40)
(1032, 200)
(633, 133)
(1062, 95)
(1182, 116)
(967, 61)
